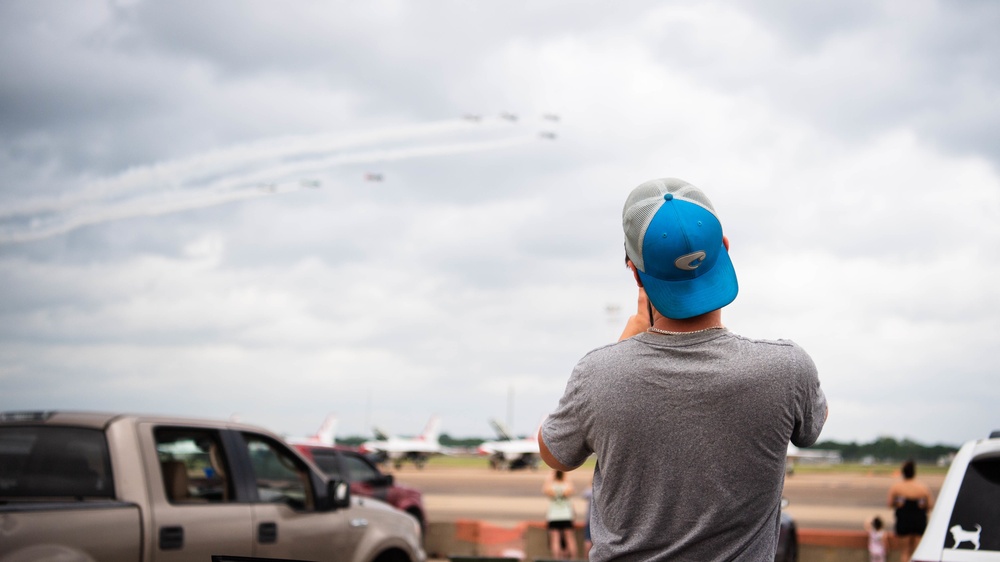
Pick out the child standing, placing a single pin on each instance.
(878, 542)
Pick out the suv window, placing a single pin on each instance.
(47, 462)
(192, 465)
(280, 477)
(360, 470)
(976, 508)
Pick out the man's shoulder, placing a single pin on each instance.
(766, 342)
(611, 349)
(780, 346)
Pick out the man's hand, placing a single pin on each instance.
(638, 322)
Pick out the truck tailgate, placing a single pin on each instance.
(66, 530)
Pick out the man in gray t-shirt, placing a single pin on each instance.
(690, 422)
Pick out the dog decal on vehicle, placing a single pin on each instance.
(960, 535)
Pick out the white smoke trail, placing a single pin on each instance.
(44, 222)
(168, 175)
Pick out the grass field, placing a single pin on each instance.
(873, 469)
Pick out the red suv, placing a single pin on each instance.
(365, 478)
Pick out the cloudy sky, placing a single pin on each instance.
(190, 220)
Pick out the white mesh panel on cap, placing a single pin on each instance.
(635, 220)
(643, 203)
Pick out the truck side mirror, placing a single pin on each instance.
(339, 494)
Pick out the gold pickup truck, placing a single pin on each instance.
(80, 486)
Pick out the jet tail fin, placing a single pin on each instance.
(328, 430)
(500, 428)
(433, 429)
(380, 434)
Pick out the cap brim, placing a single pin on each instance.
(709, 291)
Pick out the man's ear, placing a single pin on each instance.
(635, 272)
(725, 242)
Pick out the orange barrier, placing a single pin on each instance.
(527, 541)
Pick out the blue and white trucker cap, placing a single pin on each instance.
(674, 238)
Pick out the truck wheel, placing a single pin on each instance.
(393, 555)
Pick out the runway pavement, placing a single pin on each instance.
(816, 501)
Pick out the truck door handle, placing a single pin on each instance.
(359, 522)
(267, 533)
(171, 538)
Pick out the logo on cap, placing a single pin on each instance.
(687, 261)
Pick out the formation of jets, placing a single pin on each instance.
(512, 117)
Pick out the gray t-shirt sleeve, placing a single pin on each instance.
(564, 431)
(810, 415)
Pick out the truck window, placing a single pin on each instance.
(54, 462)
(281, 478)
(327, 462)
(975, 512)
(193, 466)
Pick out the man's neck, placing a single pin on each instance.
(708, 320)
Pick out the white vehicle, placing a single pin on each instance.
(965, 523)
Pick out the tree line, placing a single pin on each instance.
(887, 449)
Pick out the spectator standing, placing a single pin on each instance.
(559, 516)
(690, 422)
(912, 500)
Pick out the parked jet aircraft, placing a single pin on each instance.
(325, 435)
(510, 453)
(399, 449)
(819, 456)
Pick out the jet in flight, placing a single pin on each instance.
(508, 116)
(417, 450)
(325, 435)
(547, 135)
(370, 176)
(508, 453)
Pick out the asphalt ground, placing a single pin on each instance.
(816, 501)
